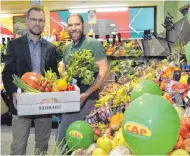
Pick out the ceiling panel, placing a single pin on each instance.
(23, 6)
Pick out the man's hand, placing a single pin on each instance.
(14, 95)
(83, 97)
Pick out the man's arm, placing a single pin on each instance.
(102, 75)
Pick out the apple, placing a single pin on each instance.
(114, 143)
(97, 131)
(98, 151)
(120, 139)
(180, 152)
(104, 143)
(122, 142)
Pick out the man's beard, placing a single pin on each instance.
(34, 33)
(79, 37)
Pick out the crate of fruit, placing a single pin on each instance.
(47, 94)
(48, 102)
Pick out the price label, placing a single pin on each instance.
(92, 17)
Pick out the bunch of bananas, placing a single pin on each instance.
(133, 83)
(121, 96)
(103, 100)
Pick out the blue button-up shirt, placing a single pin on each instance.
(35, 53)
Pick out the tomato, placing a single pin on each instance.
(43, 85)
(70, 88)
(48, 89)
(42, 89)
(183, 132)
(48, 85)
(73, 88)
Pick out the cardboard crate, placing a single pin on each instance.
(48, 102)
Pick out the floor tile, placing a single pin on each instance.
(31, 139)
(4, 142)
(6, 137)
(5, 152)
(30, 148)
(6, 146)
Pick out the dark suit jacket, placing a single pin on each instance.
(18, 61)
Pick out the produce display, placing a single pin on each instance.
(129, 117)
(123, 48)
(116, 133)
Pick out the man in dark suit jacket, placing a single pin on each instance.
(25, 54)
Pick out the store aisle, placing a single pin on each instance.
(6, 139)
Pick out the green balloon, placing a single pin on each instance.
(150, 125)
(187, 52)
(79, 135)
(145, 86)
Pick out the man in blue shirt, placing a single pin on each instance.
(29, 53)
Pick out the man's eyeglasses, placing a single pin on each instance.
(37, 20)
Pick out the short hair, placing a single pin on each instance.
(79, 16)
(34, 8)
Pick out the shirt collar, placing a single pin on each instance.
(83, 37)
(31, 41)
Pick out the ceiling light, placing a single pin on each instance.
(10, 15)
(5, 15)
(110, 9)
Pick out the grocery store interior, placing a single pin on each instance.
(144, 105)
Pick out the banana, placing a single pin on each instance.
(103, 100)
